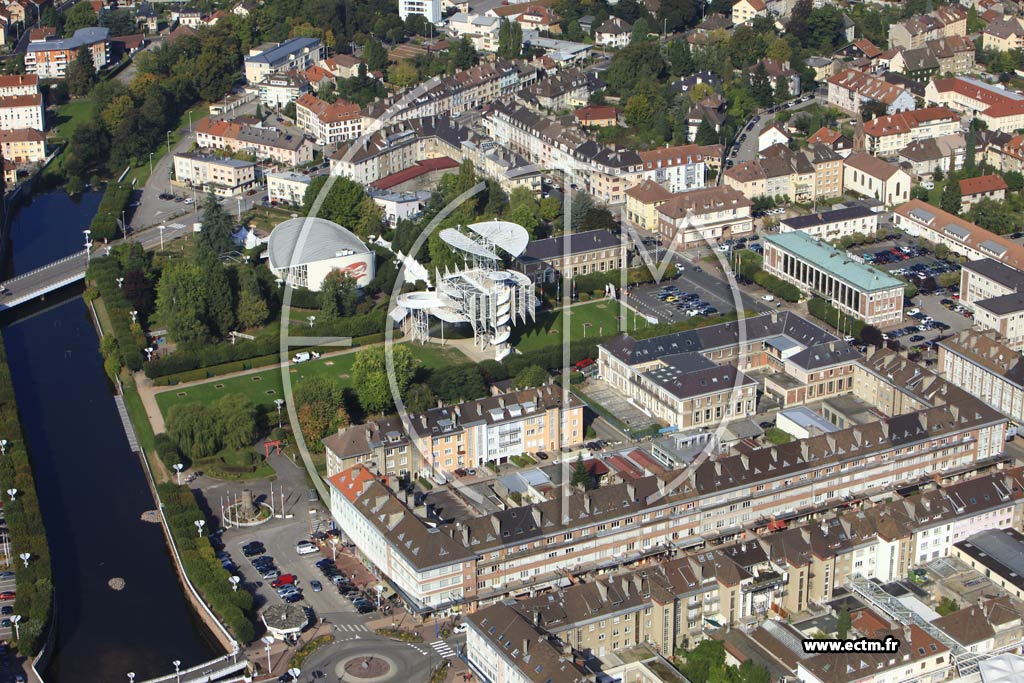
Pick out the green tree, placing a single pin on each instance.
(994, 216)
(532, 376)
(458, 383)
(252, 308)
(641, 29)
(79, 16)
(951, 200)
(338, 295)
(346, 203)
(80, 74)
(680, 59)
(761, 87)
(236, 421)
(194, 428)
(218, 295)
(706, 134)
(705, 660)
(632, 64)
(510, 39)
(418, 398)
(320, 402)
(375, 56)
(580, 474)
(370, 376)
(215, 235)
(181, 302)
(843, 623)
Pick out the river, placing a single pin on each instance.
(91, 485)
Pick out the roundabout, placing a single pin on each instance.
(371, 659)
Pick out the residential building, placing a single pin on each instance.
(877, 179)
(399, 206)
(855, 288)
(834, 224)
(850, 89)
(295, 54)
(946, 21)
(923, 658)
(833, 139)
(1003, 34)
(952, 55)
(597, 116)
(278, 89)
(642, 202)
(538, 18)
(287, 187)
(328, 123)
(221, 176)
(430, 9)
(504, 647)
(678, 168)
(885, 136)
(49, 58)
(22, 111)
(805, 176)
(988, 186)
(1001, 109)
(985, 365)
(481, 29)
(470, 434)
(19, 84)
(745, 11)
(397, 147)
(781, 76)
(995, 293)
(700, 217)
(614, 32)
(920, 219)
(771, 134)
(342, 66)
(581, 253)
(23, 145)
(264, 143)
(945, 153)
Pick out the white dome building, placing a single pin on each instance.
(303, 251)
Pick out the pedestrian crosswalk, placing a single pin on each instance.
(442, 648)
(351, 627)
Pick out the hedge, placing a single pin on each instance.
(778, 287)
(103, 272)
(24, 519)
(203, 568)
(264, 350)
(594, 283)
(105, 223)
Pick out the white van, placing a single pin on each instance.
(305, 548)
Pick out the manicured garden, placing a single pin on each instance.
(263, 387)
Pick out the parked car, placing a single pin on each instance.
(316, 586)
(283, 580)
(305, 547)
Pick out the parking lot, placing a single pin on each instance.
(279, 538)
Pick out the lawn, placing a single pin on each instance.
(267, 218)
(596, 319)
(264, 386)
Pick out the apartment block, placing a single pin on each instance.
(885, 136)
(851, 89)
(701, 217)
(995, 292)
(295, 54)
(920, 219)
(49, 57)
(264, 143)
(855, 288)
(834, 224)
(221, 176)
(471, 434)
(328, 123)
(22, 111)
(22, 145)
(947, 21)
(877, 179)
(982, 364)
(287, 187)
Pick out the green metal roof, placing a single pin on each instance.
(837, 263)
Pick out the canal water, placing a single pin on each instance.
(92, 488)
(50, 227)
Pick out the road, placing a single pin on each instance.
(747, 150)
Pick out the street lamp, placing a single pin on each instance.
(134, 315)
(12, 493)
(311, 319)
(4, 442)
(120, 282)
(131, 677)
(168, 143)
(234, 582)
(279, 402)
(177, 669)
(178, 467)
(25, 557)
(334, 547)
(162, 228)
(16, 619)
(267, 642)
(149, 352)
(200, 523)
